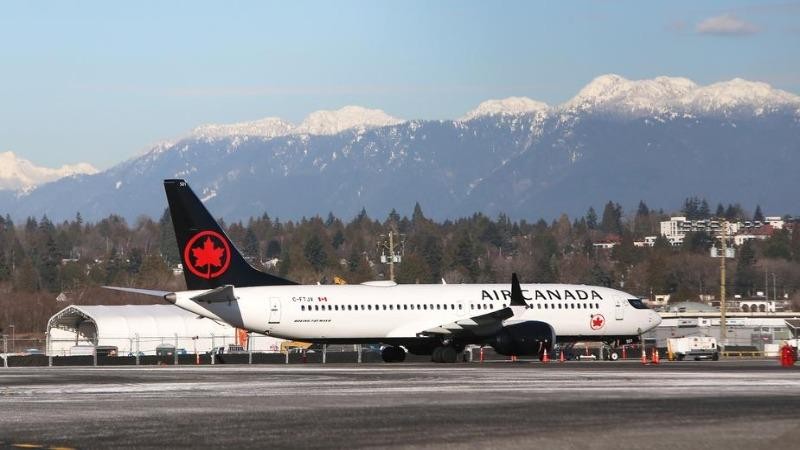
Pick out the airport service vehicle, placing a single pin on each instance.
(693, 347)
(229, 350)
(433, 319)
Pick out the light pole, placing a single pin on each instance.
(13, 338)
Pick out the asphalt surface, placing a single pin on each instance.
(580, 405)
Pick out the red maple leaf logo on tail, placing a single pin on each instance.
(208, 255)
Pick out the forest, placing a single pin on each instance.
(45, 266)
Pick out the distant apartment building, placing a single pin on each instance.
(676, 228)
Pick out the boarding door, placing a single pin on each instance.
(619, 309)
(274, 310)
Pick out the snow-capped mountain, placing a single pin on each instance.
(19, 173)
(658, 140)
(317, 123)
(269, 127)
(349, 117)
(511, 106)
(674, 95)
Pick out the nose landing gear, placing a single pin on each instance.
(392, 354)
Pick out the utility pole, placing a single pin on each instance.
(394, 249)
(723, 324)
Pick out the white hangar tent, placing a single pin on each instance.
(141, 328)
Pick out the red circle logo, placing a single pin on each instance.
(207, 254)
(597, 321)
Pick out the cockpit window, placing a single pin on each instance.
(637, 303)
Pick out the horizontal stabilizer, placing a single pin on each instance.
(149, 292)
(221, 294)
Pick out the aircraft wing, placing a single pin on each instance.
(484, 324)
(477, 325)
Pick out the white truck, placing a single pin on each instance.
(693, 347)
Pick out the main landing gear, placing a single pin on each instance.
(392, 354)
(445, 354)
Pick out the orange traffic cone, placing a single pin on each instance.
(644, 356)
(545, 357)
(561, 356)
(655, 356)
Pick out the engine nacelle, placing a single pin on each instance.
(524, 339)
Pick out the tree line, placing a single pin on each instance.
(40, 259)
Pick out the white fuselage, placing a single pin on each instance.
(376, 312)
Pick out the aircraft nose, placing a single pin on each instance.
(655, 319)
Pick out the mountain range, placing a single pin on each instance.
(659, 140)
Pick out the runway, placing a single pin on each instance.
(724, 404)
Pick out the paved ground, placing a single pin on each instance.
(595, 405)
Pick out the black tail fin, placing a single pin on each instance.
(209, 257)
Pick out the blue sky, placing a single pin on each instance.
(100, 81)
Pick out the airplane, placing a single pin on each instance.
(424, 319)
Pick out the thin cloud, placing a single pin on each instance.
(726, 25)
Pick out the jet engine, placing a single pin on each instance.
(524, 339)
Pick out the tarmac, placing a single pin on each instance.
(573, 405)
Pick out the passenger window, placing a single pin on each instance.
(425, 307)
(369, 307)
(491, 305)
(539, 305)
(459, 306)
(559, 306)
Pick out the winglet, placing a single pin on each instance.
(517, 299)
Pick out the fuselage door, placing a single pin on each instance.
(274, 310)
(619, 309)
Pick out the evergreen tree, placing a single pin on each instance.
(795, 242)
(642, 220)
(758, 216)
(338, 239)
(273, 248)
(612, 219)
(720, 211)
(433, 254)
(465, 257)
(779, 245)
(591, 219)
(167, 243)
(314, 252)
(251, 247)
(745, 276)
(698, 242)
(704, 212)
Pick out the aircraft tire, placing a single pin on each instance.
(614, 356)
(449, 355)
(392, 354)
(436, 356)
